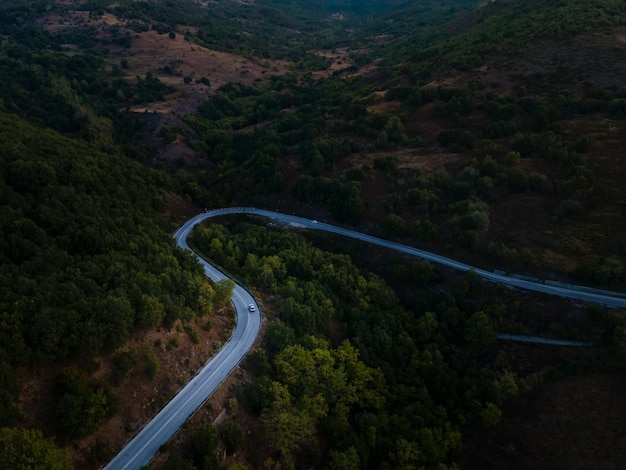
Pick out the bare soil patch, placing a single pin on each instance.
(155, 53)
(169, 59)
(382, 107)
(215, 410)
(179, 209)
(140, 397)
(339, 60)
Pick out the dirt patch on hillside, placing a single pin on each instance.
(169, 59)
(179, 209)
(339, 59)
(216, 408)
(383, 107)
(427, 160)
(180, 353)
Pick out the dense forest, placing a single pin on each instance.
(346, 361)
(489, 132)
(84, 261)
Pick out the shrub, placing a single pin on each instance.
(490, 415)
(233, 437)
(457, 140)
(173, 343)
(123, 363)
(153, 365)
(192, 333)
(512, 158)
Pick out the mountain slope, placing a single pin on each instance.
(83, 259)
(507, 27)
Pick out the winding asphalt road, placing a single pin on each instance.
(145, 445)
(586, 294)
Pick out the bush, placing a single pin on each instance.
(81, 406)
(512, 158)
(540, 183)
(204, 81)
(490, 415)
(355, 174)
(232, 406)
(457, 140)
(424, 229)
(518, 181)
(395, 225)
(233, 437)
(192, 333)
(388, 164)
(153, 365)
(524, 144)
(123, 363)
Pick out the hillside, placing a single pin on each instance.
(488, 132)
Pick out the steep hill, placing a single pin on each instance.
(508, 28)
(85, 263)
(491, 132)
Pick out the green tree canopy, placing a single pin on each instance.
(23, 449)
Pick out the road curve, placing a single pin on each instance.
(586, 294)
(542, 340)
(145, 445)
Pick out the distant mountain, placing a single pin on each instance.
(351, 6)
(505, 27)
